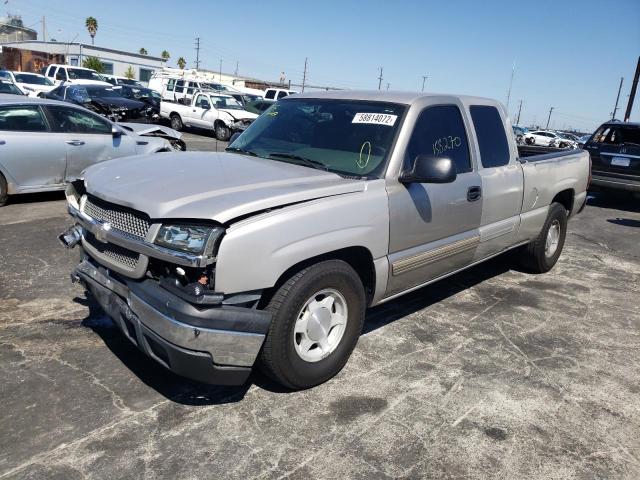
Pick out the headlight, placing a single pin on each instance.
(189, 238)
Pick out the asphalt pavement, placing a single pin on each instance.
(491, 373)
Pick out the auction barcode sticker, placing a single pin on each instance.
(375, 118)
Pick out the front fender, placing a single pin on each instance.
(255, 252)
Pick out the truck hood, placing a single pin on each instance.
(212, 186)
(240, 114)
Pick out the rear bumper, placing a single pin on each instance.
(616, 181)
(218, 345)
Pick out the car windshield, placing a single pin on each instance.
(81, 74)
(229, 103)
(137, 92)
(104, 92)
(214, 86)
(128, 81)
(33, 79)
(344, 136)
(6, 87)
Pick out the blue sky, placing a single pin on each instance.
(568, 54)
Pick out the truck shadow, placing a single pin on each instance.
(613, 200)
(188, 392)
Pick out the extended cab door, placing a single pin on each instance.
(434, 227)
(501, 179)
(88, 138)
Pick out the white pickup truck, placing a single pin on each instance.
(209, 110)
(329, 203)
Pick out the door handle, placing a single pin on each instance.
(3, 142)
(75, 143)
(474, 194)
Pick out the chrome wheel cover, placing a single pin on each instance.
(320, 325)
(553, 239)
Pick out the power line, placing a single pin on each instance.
(197, 53)
(380, 79)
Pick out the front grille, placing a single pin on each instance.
(122, 219)
(114, 254)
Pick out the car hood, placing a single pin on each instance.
(82, 81)
(239, 114)
(212, 186)
(116, 102)
(146, 129)
(36, 87)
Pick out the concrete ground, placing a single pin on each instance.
(492, 373)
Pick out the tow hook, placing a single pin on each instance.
(71, 237)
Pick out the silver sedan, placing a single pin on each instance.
(44, 144)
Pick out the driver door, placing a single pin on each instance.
(434, 228)
(197, 115)
(88, 137)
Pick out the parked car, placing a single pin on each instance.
(615, 156)
(277, 93)
(32, 84)
(519, 133)
(548, 138)
(149, 97)
(582, 140)
(258, 106)
(106, 101)
(117, 80)
(45, 144)
(10, 88)
(333, 202)
(59, 74)
(222, 114)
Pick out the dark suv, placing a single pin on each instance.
(615, 156)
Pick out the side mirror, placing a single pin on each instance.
(116, 132)
(234, 137)
(430, 169)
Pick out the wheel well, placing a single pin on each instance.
(175, 114)
(359, 258)
(565, 198)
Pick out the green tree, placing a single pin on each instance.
(92, 27)
(93, 63)
(143, 51)
(129, 73)
(181, 63)
(165, 55)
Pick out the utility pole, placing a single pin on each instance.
(220, 70)
(519, 110)
(380, 79)
(197, 53)
(549, 118)
(632, 95)
(615, 109)
(304, 74)
(424, 79)
(44, 29)
(513, 69)
(235, 74)
(387, 86)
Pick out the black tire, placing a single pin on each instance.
(279, 358)
(176, 122)
(530, 141)
(4, 191)
(534, 256)
(222, 132)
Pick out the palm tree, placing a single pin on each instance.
(165, 55)
(143, 51)
(181, 63)
(92, 26)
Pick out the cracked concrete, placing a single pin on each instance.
(492, 373)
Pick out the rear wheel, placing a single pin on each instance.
(4, 191)
(176, 122)
(318, 315)
(222, 132)
(542, 254)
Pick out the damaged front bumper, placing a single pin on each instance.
(216, 345)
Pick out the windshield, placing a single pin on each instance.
(81, 74)
(6, 87)
(33, 79)
(345, 136)
(214, 86)
(137, 92)
(229, 103)
(104, 92)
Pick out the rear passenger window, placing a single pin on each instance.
(180, 86)
(22, 119)
(492, 139)
(440, 131)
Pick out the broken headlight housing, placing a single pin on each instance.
(195, 239)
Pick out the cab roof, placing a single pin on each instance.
(406, 98)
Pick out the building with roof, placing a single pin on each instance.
(13, 30)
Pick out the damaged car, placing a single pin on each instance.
(105, 101)
(45, 144)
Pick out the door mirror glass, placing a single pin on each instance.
(430, 169)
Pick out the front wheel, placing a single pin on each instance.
(318, 315)
(4, 191)
(176, 122)
(542, 254)
(222, 132)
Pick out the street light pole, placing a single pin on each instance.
(549, 118)
(424, 78)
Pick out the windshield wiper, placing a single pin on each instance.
(241, 150)
(307, 161)
(631, 143)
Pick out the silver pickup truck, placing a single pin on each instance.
(327, 204)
